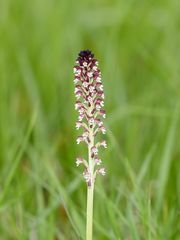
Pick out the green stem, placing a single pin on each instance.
(89, 223)
(90, 191)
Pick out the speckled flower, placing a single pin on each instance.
(89, 104)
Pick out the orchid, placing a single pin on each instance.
(89, 104)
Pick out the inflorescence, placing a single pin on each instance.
(90, 102)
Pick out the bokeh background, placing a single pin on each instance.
(42, 193)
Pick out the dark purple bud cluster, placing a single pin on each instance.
(89, 104)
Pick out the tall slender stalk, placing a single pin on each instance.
(89, 216)
(89, 93)
(90, 191)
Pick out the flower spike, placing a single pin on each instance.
(89, 104)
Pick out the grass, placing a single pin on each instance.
(42, 195)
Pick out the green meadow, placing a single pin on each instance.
(42, 192)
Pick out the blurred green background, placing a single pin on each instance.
(42, 193)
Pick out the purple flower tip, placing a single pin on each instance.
(86, 54)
